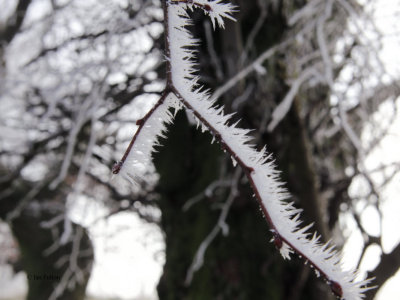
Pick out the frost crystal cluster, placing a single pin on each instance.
(182, 89)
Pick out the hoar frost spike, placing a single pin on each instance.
(182, 88)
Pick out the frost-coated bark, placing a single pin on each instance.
(283, 218)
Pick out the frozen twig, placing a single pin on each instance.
(206, 193)
(15, 213)
(282, 109)
(211, 51)
(73, 273)
(62, 285)
(52, 222)
(221, 225)
(250, 68)
(254, 31)
(323, 44)
(80, 120)
(305, 12)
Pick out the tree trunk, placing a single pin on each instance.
(43, 271)
(241, 265)
(48, 264)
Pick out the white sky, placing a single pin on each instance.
(128, 257)
(386, 15)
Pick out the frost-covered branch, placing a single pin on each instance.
(182, 88)
(138, 154)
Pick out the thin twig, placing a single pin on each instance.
(221, 225)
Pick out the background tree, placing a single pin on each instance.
(78, 74)
(62, 106)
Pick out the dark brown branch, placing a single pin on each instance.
(118, 165)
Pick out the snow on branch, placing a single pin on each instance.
(137, 158)
(182, 88)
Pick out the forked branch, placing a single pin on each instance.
(182, 88)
